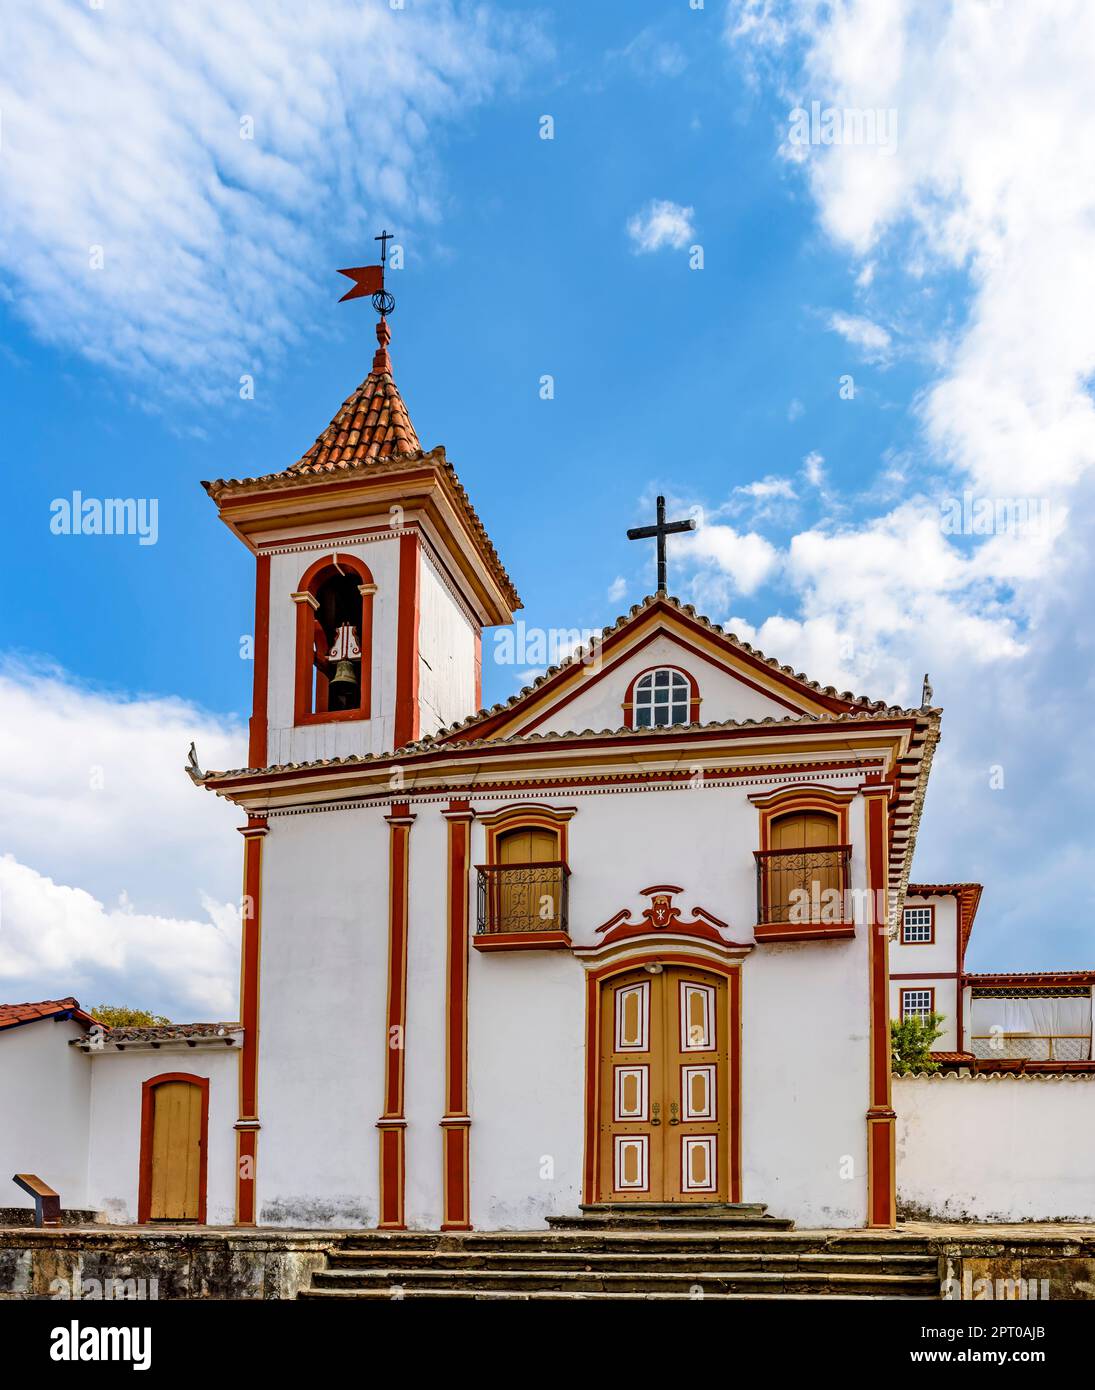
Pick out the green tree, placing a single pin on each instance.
(911, 1040)
(119, 1016)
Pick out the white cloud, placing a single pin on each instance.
(649, 55)
(813, 468)
(871, 339)
(122, 131)
(617, 590)
(56, 941)
(97, 810)
(661, 223)
(747, 559)
(988, 197)
(765, 488)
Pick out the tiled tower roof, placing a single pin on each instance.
(371, 424)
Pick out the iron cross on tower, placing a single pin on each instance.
(661, 530)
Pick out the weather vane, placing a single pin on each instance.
(369, 280)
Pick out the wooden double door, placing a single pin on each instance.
(664, 1087)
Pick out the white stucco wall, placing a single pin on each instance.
(930, 965)
(45, 1087)
(996, 1148)
(323, 989)
(324, 980)
(117, 1079)
(446, 641)
(946, 1003)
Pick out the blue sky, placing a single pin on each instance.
(948, 275)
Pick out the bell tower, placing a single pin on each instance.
(374, 579)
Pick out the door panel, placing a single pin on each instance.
(176, 1151)
(664, 1071)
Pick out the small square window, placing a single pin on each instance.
(916, 1003)
(916, 926)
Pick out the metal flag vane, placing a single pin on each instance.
(662, 529)
(369, 280)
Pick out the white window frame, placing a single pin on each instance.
(675, 702)
(927, 924)
(917, 1011)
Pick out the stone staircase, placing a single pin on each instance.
(641, 1251)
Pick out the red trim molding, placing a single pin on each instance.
(392, 1123)
(406, 653)
(456, 1122)
(144, 1187)
(881, 1120)
(257, 740)
(522, 941)
(247, 1125)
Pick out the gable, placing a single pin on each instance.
(591, 692)
(599, 703)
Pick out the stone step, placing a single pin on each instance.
(671, 1216)
(537, 1295)
(680, 1261)
(698, 1281)
(690, 1242)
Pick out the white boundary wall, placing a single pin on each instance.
(996, 1147)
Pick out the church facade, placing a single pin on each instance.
(634, 936)
(621, 939)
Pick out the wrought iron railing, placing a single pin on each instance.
(522, 898)
(797, 885)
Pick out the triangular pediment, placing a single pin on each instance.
(729, 681)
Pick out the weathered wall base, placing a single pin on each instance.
(980, 1263)
(128, 1262)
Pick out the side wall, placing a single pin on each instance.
(45, 1087)
(117, 1081)
(995, 1147)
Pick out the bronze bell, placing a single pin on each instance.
(344, 683)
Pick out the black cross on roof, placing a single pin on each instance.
(661, 530)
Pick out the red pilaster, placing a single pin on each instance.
(456, 1122)
(406, 652)
(392, 1123)
(247, 1125)
(881, 1154)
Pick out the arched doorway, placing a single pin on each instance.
(174, 1138)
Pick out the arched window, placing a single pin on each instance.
(662, 697)
(334, 640)
(523, 885)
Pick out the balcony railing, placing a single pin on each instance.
(522, 898)
(795, 886)
(1055, 1047)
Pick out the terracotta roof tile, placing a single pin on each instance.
(11, 1015)
(371, 424)
(171, 1032)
